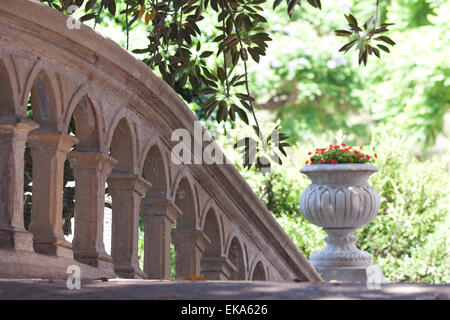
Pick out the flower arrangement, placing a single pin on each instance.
(339, 154)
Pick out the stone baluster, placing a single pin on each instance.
(217, 268)
(13, 136)
(189, 244)
(91, 170)
(126, 191)
(49, 151)
(159, 216)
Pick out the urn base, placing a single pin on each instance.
(371, 275)
(340, 251)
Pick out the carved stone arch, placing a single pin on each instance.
(79, 93)
(111, 126)
(45, 97)
(122, 147)
(8, 97)
(85, 116)
(35, 68)
(185, 198)
(210, 224)
(258, 272)
(235, 253)
(154, 165)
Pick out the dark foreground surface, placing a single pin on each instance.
(119, 289)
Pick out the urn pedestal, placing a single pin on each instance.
(340, 201)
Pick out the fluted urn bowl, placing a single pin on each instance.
(340, 200)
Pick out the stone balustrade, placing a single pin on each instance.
(124, 116)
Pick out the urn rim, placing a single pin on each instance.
(339, 167)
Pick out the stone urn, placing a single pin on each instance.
(340, 200)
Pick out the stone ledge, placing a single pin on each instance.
(369, 274)
(31, 265)
(122, 289)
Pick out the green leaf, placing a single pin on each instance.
(343, 33)
(384, 48)
(221, 74)
(348, 46)
(351, 20)
(369, 22)
(315, 3)
(112, 7)
(291, 7)
(242, 114)
(206, 54)
(87, 17)
(376, 52)
(385, 39)
(276, 3)
(222, 112)
(90, 4)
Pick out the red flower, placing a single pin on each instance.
(376, 157)
(309, 153)
(368, 158)
(361, 156)
(333, 161)
(312, 160)
(343, 144)
(356, 152)
(306, 162)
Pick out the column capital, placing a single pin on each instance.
(190, 237)
(160, 207)
(128, 182)
(51, 140)
(18, 124)
(91, 160)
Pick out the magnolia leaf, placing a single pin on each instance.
(276, 3)
(384, 48)
(348, 46)
(112, 7)
(153, 13)
(369, 22)
(141, 12)
(315, 3)
(87, 17)
(343, 33)
(376, 52)
(385, 39)
(351, 20)
(90, 4)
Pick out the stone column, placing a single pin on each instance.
(13, 136)
(126, 191)
(159, 216)
(49, 151)
(189, 244)
(90, 170)
(217, 268)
